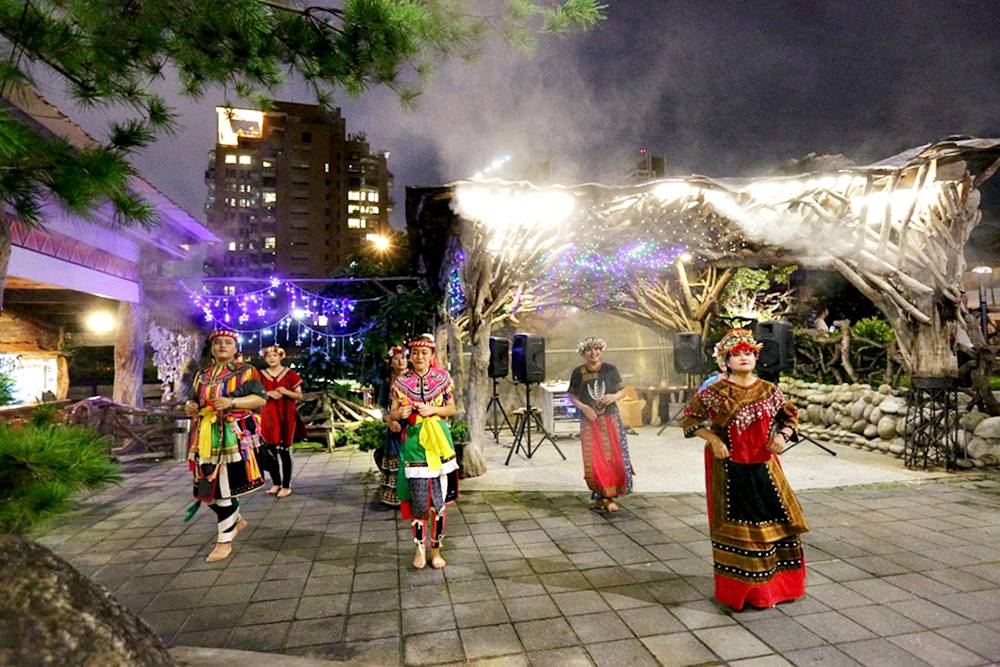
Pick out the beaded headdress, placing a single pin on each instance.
(589, 343)
(393, 351)
(224, 333)
(423, 340)
(736, 340)
(273, 348)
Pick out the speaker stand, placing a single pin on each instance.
(524, 431)
(497, 407)
(798, 438)
(688, 393)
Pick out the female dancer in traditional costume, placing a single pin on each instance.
(594, 388)
(224, 437)
(428, 471)
(389, 467)
(753, 515)
(280, 422)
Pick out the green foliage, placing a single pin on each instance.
(320, 370)
(875, 329)
(42, 465)
(460, 431)
(112, 53)
(6, 389)
(756, 295)
(371, 435)
(345, 438)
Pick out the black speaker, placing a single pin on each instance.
(527, 358)
(778, 353)
(687, 352)
(499, 357)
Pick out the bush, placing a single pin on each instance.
(875, 329)
(371, 434)
(6, 389)
(460, 431)
(43, 464)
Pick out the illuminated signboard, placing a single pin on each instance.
(235, 123)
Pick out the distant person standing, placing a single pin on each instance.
(819, 324)
(395, 432)
(594, 388)
(280, 421)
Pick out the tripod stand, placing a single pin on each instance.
(775, 377)
(524, 429)
(687, 393)
(495, 405)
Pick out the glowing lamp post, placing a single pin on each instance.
(380, 243)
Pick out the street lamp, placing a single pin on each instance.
(379, 242)
(685, 257)
(982, 272)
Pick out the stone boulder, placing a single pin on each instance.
(857, 409)
(53, 615)
(887, 427)
(875, 416)
(971, 420)
(871, 431)
(988, 428)
(893, 406)
(859, 426)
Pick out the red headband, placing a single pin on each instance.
(224, 333)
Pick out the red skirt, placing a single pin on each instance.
(606, 465)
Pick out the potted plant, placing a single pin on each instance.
(459, 436)
(370, 437)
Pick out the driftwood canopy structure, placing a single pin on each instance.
(895, 229)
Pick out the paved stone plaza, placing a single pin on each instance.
(902, 572)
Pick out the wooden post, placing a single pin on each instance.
(130, 353)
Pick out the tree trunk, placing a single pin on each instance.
(845, 349)
(457, 369)
(5, 247)
(130, 353)
(474, 458)
(933, 349)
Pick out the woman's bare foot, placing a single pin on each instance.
(437, 562)
(240, 525)
(273, 491)
(612, 506)
(420, 558)
(284, 493)
(220, 552)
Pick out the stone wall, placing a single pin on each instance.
(871, 418)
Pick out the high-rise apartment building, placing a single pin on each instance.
(291, 193)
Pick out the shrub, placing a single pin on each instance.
(460, 431)
(42, 464)
(875, 329)
(371, 434)
(6, 389)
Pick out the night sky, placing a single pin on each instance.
(720, 88)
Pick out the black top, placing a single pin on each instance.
(588, 386)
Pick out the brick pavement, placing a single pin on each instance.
(903, 574)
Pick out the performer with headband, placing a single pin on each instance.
(398, 365)
(428, 471)
(594, 388)
(753, 515)
(225, 435)
(280, 421)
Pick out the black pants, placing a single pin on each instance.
(281, 471)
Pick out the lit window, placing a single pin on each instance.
(246, 159)
(354, 196)
(372, 196)
(229, 289)
(353, 208)
(230, 158)
(232, 246)
(267, 164)
(326, 167)
(372, 210)
(270, 197)
(269, 243)
(355, 223)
